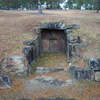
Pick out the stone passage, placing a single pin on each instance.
(51, 37)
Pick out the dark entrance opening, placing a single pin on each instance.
(53, 40)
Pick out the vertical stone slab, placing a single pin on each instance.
(57, 45)
(45, 44)
(97, 76)
(27, 52)
(67, 47)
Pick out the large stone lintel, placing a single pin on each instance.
(53, 25)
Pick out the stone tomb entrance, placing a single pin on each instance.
(51, 37)
(53, 40)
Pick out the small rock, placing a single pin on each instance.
(84, 58)
(38, 30)
(68, 31)
(5, 81)
(69, 82)
(43, 70)
(97, 76)
(94, 63)
(58, 69)
(74, 39)
(70, 64)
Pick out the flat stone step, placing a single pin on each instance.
(47, 70)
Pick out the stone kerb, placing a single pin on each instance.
(94, 64)
(81, 73)
(87, 74)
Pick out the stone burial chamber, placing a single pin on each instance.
(51, 37)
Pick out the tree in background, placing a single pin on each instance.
(89, 4)
(33, 4)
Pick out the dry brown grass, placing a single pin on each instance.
(18, 26)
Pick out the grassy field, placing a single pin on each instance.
(18, 26)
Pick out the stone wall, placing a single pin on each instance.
(33, 49)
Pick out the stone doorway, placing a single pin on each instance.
(52, 37)
(53, 40)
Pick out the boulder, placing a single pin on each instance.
(5, 81)
(94, 63)
(15, 65)
(74, 39)
(81, 73)
(97, 76)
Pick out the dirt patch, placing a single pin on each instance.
(45, 82)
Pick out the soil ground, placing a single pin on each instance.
(18, 26)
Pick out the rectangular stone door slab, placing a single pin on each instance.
(45, 44)
(57, 45)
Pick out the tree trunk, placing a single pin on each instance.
(31, 6)
(69, 7)
(97, 7)
(40, 10)
(16, 5)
